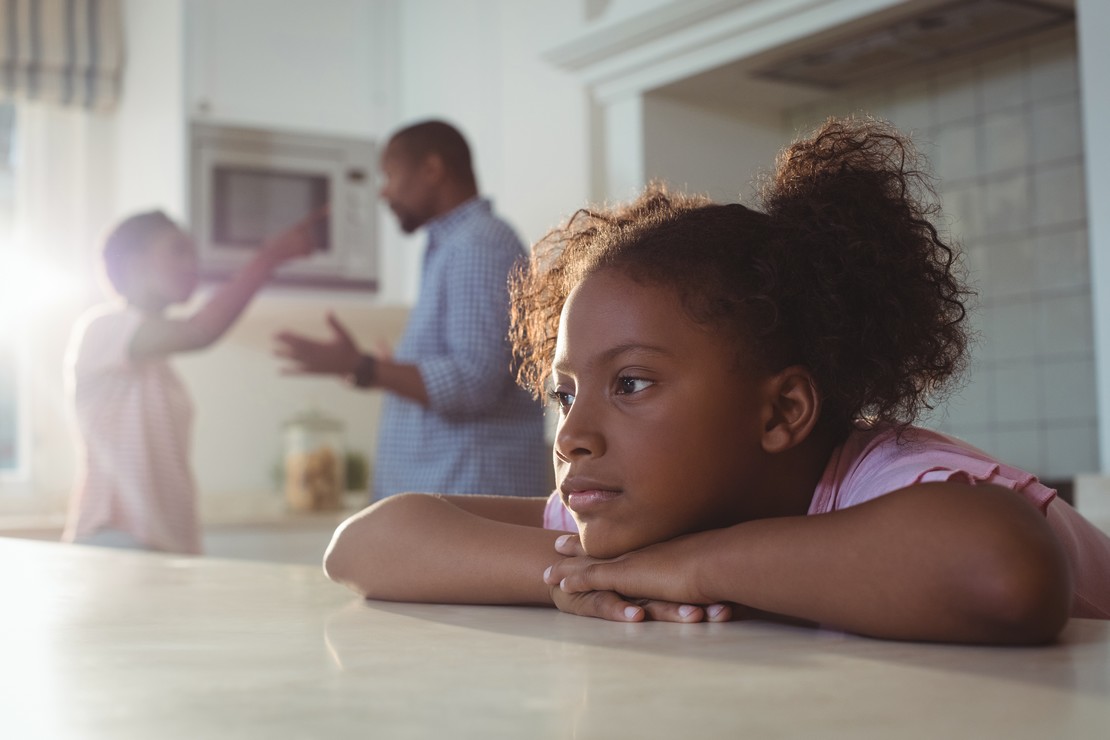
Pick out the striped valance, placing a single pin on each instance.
(68, 52)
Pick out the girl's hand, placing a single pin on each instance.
(575, 588)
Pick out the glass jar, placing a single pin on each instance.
(314, 462)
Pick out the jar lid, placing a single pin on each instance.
(314, 419)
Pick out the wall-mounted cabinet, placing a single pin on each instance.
(297, 65)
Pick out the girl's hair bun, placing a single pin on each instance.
(853, 205)
(842, 272)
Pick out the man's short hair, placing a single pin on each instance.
(440, 138)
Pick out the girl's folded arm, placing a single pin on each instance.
(936, 561)
(445, 549)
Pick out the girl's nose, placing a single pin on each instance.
(578, 435)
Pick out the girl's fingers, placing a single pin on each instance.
(599, 604)
(569, 545)
(666, 611)
(718, 613)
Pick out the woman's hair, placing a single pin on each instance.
(842, 272)
(127, 240)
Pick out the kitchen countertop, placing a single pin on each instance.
(114, 644)
(265, 508)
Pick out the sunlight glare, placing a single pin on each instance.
(29, 285)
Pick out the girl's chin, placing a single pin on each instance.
(605, 547)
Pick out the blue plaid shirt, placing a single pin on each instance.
(480, 433)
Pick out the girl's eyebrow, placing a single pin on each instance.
(616, 351)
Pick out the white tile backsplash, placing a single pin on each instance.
(1005, 141)
(1010, 326)
(973, 404)
(1006, 204)
(1063, 325)
(1053, 70)
(1063, 260)
(1068, 388)
(963, 211)
(956, 96)
(914, 107)
(1055, 126)
(1059, 195)
(1011, 265)
(1020, 446)
(957, 152)
(1017, 394)
(1069, 449)
(1003, 83)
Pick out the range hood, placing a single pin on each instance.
(937, 32)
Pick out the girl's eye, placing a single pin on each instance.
(627, 385)
(560, 398)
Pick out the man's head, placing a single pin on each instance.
(427, 172)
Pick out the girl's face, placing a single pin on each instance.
(167, 270)
(659, 430)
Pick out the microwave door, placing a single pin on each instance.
(250, 200)
(247, 185)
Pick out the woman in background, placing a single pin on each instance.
(134, 415)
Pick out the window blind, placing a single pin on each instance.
(67, 52)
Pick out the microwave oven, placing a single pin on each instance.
(248, 184)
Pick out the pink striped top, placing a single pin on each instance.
(135, 421)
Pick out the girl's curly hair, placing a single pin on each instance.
(842, 272)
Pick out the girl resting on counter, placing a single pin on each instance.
(735, 391)
(134, 415)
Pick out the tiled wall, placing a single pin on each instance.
(1002, 131)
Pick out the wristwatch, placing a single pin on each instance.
(365, 374)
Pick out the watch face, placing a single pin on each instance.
(366, 372)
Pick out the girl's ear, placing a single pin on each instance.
(792, 410)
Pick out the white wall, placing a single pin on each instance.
(150, 121)
(709, 151)
(477, 63)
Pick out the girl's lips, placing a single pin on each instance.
(583, 502)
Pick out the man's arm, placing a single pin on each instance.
(340, 355)
(940, 561)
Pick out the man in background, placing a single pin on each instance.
(454, 420)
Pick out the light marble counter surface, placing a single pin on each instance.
(105, 644)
